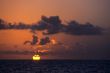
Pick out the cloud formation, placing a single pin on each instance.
(75, 28)
(53, 25)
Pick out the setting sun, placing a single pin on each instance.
(36, 57)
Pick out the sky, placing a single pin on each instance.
(74, 47)
(79, 46)
(30, 11)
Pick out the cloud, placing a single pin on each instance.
(53, 25)
(75, 28)
(35, 41)
(2, 24)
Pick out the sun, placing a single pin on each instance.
(36, 57)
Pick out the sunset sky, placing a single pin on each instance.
(30, 11)
(79, 46)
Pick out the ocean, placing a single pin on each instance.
(55, 66)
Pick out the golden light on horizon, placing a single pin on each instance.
(36, 57)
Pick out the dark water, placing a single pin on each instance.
(55, 66)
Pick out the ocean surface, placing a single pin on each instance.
(55, 66)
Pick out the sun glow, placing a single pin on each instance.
(36, 57)
(53, 41)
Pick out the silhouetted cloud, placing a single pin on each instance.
(53, 25)
(2, 24)
(43, 41)
(75, 28)
(6, 25)
(34, 40)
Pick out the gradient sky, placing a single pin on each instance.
(75, 47)
(29, 11)
(78, 47)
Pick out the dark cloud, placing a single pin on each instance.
(34, 40)
(2, 24)
(53, 25)
(75, 28)
(43, 41)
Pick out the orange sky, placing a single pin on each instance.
(29, 11)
